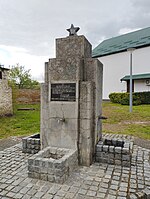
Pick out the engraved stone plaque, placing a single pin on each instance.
(63, 92)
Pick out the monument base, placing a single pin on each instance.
(31, 144)
(112, 151)
(53, 164)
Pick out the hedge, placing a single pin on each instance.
(123, 98)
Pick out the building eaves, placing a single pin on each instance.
(136, 77)
(2, 69)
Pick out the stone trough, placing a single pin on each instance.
(53, 164)
(114, 151)
(31, 144)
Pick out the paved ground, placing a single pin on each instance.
(8, 142)
(97, 181)
(11, 141)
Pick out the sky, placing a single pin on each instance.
(28, 28)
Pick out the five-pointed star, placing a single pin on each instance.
(73, 30)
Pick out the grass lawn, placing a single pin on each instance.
(120, 121)
(21, 123)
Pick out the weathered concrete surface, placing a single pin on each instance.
(73, 124)
(5, 94)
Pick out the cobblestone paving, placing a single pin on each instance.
(97, 181)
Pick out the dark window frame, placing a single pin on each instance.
(1, 76)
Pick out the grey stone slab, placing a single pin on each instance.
(18, 196)
(105, 185)
(53, 190)
(26, 197)
(70, 195)
(39, 194)
(10, 194)
(3, 186)
(102, 190)
(32, 191)
(101, 195)
(93, 188)
(82, 191)
(133, 196)
(91, 193)
(10, 187)
(58, 197)
(65, 187)
(121, 193)
(25, 190)
(48, 196)
(61, 193)
(3, 193)
(109, 196)
(74, 189)
(16, 189)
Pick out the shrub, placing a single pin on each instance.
(123, 98)
(144, 97)
(116, 97)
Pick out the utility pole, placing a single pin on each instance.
(131, 51)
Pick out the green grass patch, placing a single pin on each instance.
(22, 123)
(121, 121)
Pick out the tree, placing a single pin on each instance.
(20, 77)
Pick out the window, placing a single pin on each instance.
(0, 74)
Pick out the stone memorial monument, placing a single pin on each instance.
(71, 98)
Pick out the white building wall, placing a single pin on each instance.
(140, 86)
(117, 66)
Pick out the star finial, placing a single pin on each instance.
(73, 30)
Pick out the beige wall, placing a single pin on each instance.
(5, 95)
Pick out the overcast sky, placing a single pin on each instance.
(28, 28)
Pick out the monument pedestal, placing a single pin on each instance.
(71, 99)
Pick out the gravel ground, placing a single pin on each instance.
(142, 143)
(6, 143)
(11, 141)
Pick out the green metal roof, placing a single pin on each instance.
(136, 39)
(139, 76)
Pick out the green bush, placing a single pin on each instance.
(116, 97)
(123, 98)
(144, 97)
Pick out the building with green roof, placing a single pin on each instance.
(136, 77)
(113, 54)
(139, 81)
(137, 39)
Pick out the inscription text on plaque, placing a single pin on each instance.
(63, 92)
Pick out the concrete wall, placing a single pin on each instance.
(117, 66)
(5, 95)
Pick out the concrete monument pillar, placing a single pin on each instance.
(71, 98)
